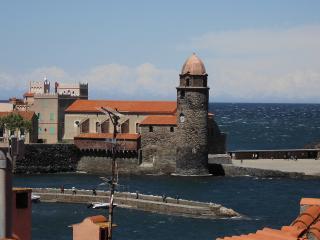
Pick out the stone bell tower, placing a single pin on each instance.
(192, 119)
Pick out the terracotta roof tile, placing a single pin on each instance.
(147, 107)
(28, 94)
(310, 201)
(292, 230)
(307, 217)
(315, 230)
(127, 136)
(298, 230)
(97, 219)
(160, 120)
(26, 115)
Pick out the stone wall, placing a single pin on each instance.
(92, 164)
(216, 139)
(192, 150)
(159, 147)
(48, 158)
(52, 158)
(126, 144)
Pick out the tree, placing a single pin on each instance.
(14, 121)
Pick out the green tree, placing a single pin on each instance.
(14, 121)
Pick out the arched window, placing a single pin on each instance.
(182, 94)
(187, 82)
(97, 127)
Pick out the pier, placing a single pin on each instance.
(150, 203)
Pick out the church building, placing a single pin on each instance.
(171, 136)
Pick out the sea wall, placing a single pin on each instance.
(53, 158)
(98, 164)
(151, 203)
(276, 154)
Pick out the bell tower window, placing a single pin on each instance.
(187, 82)
(182, 94)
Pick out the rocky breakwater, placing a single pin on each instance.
(150, 203)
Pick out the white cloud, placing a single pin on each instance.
(141, 82)
(269, 65)
(144, 81)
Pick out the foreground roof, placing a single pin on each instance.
(146, 107)
(25, 115)
(306, 226)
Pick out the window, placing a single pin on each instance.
(52, 130)
(171, 129)
(97, 127)
(39, 129)
(137, 128)
(22, 131)
(105, 126)
(182, 94)
(39, 117)
(187, 82)
(125, 127)
(76, 123)
(51, 116)
(150, 129)
(1, 132)
(205, 82)
(21, 200)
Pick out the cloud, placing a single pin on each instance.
(262, 65)
(144, 81)
(141, 82)
(15, 84)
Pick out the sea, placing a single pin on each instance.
(263, 202)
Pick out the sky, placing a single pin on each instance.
(253, 50)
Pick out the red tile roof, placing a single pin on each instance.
(308, 223)
(97, 219)
(26, 115)
(28, 94)
(160, 120)
(147, 107)
(163, 119)
(124, 136)
(310, 201)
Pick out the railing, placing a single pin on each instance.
(276, 154)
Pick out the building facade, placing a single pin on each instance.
(50, 106)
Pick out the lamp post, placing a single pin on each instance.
(114, 116)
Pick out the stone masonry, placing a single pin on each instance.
(158, 147)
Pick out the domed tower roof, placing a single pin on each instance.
(194, 66)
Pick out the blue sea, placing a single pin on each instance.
(268, 125)
(270, 202)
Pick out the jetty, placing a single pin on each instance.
(149, 203)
